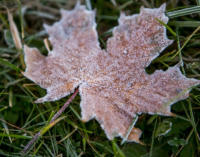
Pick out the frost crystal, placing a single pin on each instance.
(114, 86)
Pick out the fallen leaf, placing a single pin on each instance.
(113, 84)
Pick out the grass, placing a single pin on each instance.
(21, 119)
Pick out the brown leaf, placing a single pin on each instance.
(114, 86)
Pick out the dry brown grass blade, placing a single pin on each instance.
(15, 36)
(14, 31)
(46, 43)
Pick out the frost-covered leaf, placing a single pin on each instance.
(163, 128)
(113, 85)
(178, 126)
(176, 142)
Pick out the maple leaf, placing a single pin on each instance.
(113, 84)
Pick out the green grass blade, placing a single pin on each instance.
(51, 125)
(117, 150)
(49, 150)
(153, 136)
(193, 122)
(184, 23)
(4, 62)
(182, 12)
(15, 136)
(166, 26)
(37, 149)
(5, 126)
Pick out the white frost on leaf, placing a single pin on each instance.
(113, 85)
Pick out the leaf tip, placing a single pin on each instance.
(46, 27)
(162, 8)
(142, 9)
(122, 15)
(78, 4)
(39, 101)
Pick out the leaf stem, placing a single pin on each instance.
(64, 106)
(26, 148)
